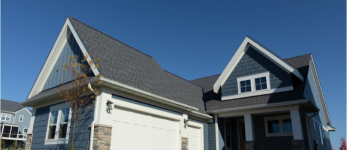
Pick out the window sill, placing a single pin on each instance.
(279, 134)
(54, 142)
(260, 92)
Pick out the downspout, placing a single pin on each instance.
(309, 134)
(92, 126)
(315, 114)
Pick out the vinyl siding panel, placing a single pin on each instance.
(211, 136)
(254, 62)
(57, 75)
(311, 92)
(82, 132)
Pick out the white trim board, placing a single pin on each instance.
(54, 55)
(255, 93)
(241, 51)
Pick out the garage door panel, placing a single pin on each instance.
(194, 135)
(140, 131)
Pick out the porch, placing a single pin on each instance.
(12, 132)
(265, 128)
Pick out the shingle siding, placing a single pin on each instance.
(82, 132)
(253, 62)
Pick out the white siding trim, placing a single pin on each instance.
(32, 120)
(296, 124)
(240, 52)
(260, 92)
(249, 127)
(217, 131)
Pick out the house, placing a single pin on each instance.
(15, 121)
(259, 101)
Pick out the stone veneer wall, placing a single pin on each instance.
(102, 137)
(28, 141)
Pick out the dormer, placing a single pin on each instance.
(255, 70)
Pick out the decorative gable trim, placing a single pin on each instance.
(54, 54)
(241, 51)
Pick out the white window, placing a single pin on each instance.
(21, 118)
(321, 133)
(5, 117)
(278, 126)
(58, 125)
(25, 130)
(254, 83)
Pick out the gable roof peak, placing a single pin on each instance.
(248, 41)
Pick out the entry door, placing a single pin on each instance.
(242, 134)
(140, 131)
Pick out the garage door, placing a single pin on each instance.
(139, 131)
(194, 135)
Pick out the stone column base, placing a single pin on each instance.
(28, 141)
(102, 137)
(298, 144)
(250, 145)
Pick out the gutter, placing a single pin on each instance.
(303, 101)
(136, 91)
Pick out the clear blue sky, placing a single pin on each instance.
(192, 39)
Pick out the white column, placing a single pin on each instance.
(296, 124)
(249, 127)
(217, 130)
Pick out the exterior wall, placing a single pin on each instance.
(253, 62)
(82, 132)
(70, 48)
(211, 136)
(26, 120)
(312, 93)
(11, 119)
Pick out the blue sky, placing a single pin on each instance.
(191, 39)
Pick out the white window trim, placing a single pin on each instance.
(252, 78)
(321, 135)
(279, 118)
(22, 119)
(57, 140)
(6, 117)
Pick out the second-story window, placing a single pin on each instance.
(21, 118)
(5, 117)
(253, 83)
(245, 86)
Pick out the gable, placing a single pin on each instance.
(54, 55)
(57, 75)
(251, 63)
(241, 51)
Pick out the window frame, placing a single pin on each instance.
(6, 114)
(24, 130)
(253, 86)
(279, 119)
(22, 118)
(56, 139)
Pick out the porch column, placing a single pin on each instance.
(249, 143)
(298, 142)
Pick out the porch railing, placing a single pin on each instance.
(14, 136)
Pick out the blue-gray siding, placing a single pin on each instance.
(253, 62)
(82, 132)
(26, 120)
(311, 92)
(211, 136)
(57, 75)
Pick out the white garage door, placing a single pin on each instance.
(139, 131)
(194, 135)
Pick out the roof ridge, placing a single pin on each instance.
(204, 77)
(110, 37)
(298, 56)
(181, 78)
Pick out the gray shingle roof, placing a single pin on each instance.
(213, 100)
(125, 64)
(11, 106)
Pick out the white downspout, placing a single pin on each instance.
(93, 123)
